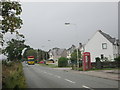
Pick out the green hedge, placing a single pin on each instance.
(62, 62)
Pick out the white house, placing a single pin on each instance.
(102, 45)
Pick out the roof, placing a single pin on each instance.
(112, 40)
(57, 51)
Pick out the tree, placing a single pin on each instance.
(74, 56)
(30, 52)
(11, 20)
(37, 53)
(14, 49)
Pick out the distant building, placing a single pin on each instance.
(56, 53)
(70, 51)
(73, 48)
(103, 45)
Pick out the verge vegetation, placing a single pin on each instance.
(12, 75)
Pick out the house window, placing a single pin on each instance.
(104, 45)
(102, 56)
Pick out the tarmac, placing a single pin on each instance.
(107, 74)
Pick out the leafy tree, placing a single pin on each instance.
(30, 52)
(11, 21)
(62, 62)
(14, 49)
(38, 54)
(74, 56)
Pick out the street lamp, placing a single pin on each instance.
(67, 23)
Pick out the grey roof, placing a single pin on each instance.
(57, 51)
(72, 48)
(112, 40)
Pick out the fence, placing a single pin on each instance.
(106, 64)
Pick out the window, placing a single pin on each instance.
(104, 45)
(102, 56)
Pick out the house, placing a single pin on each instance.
(70, 51)
(56, 53)
(72, 48)
(103, 46)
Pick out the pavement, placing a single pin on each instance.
(107, 74)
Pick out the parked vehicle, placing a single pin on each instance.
(41, 62)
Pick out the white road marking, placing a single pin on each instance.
(70, 81)
(57, 76)
(87, 87)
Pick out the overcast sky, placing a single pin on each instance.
(43, 22)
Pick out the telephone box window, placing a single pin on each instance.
(104, 45)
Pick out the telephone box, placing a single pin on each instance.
(86, 61)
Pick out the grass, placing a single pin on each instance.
(52, 66)
(13, 76)
(49, 65)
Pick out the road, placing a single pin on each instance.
(44, 77)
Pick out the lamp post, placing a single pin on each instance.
(67, 23)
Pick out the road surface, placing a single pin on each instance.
(44, 77)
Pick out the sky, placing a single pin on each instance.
(44, 22)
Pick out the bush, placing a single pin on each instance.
(117, 60)
(62, 62)
(98, 63)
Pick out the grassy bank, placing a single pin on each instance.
(12, 75)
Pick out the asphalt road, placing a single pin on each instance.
(44, 77)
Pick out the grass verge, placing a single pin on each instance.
(49, 65)
(52, 66)
(13, 76)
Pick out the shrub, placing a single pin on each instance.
(117, 60)
(62, 62)
(98, 63)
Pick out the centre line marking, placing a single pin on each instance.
(87, 87)
(70, 81)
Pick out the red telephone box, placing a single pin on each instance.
(86, 61)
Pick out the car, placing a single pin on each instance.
(41, 62)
